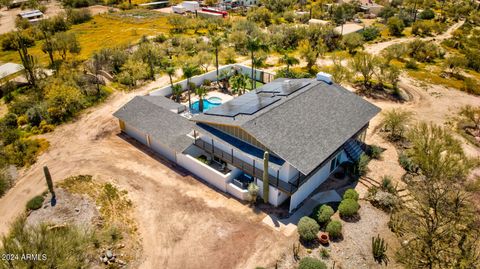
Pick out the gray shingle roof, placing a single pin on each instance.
(306, 127)
(152, 115)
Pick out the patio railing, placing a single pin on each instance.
(229, 157)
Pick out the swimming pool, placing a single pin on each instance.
(207, 104)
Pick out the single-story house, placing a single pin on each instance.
(308, 126)
(32, 16)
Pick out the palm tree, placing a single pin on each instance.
(201, 92)
(216, 41)
(177, 91)
(289, 61)
(254, 44)
(239, 83)
(170, 70)
(189, 70)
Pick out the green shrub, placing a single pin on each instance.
(324, 214)
(370, 33)
(471, 86)
(23, 151)
(77, 16)
(66, 247)
(361, 165)
(35, 203)
(427, 14)
(311, 263)
(411, 64)
(5, 182)
(348, 208)
(334, 229)
(375, 152)
(385, 201)
(308, 228)
(387, 185)
(207, 82)
(351, 194)
(406, 163)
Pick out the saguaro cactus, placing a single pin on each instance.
(265, 177)
(379, 250)
(48, 178)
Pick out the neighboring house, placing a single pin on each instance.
(371, 8)
(349, 28)
(316, 21)
(32, 16)
(308, 126)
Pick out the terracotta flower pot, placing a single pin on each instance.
(323, 237)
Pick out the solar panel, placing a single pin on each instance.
(283, 88)
(254, 101)
(246, 104)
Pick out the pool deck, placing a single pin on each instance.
(221, 95)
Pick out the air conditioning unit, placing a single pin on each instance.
(325, 77)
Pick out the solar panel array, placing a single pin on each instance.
(246, 104)
(251, 102)
(284, 88)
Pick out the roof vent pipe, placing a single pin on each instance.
(325, 77)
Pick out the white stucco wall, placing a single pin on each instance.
(275, 197)
(135, 133)
(162, 149)
(308, 187)
(206, 172)
(237, 192)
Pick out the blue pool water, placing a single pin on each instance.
(207, 104)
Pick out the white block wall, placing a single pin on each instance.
(212, 76)
(237, 192)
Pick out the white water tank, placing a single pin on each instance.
(325, 77)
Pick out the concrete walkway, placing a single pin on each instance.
(289, 225)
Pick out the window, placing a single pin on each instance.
(335, 162)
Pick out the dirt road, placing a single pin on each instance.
(183, 222)
(378, 47)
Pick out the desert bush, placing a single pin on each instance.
(411, 64)
(361, 165)
(63, 247)
(385, 200)
(9, 43)
(395, 122)
(395, 26)
(471, 86)
(427, 14)
(334, 229)
(311, 263)
(252, 192)
(374, 152)
(351, 194)
(348, 208)
(23, 151)
(35, 203)
(308, 228)
(370, 33)
(387, 185)
(406, 163)
(324, 253)
(77, 16)
(324, 214)
(5, 182)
